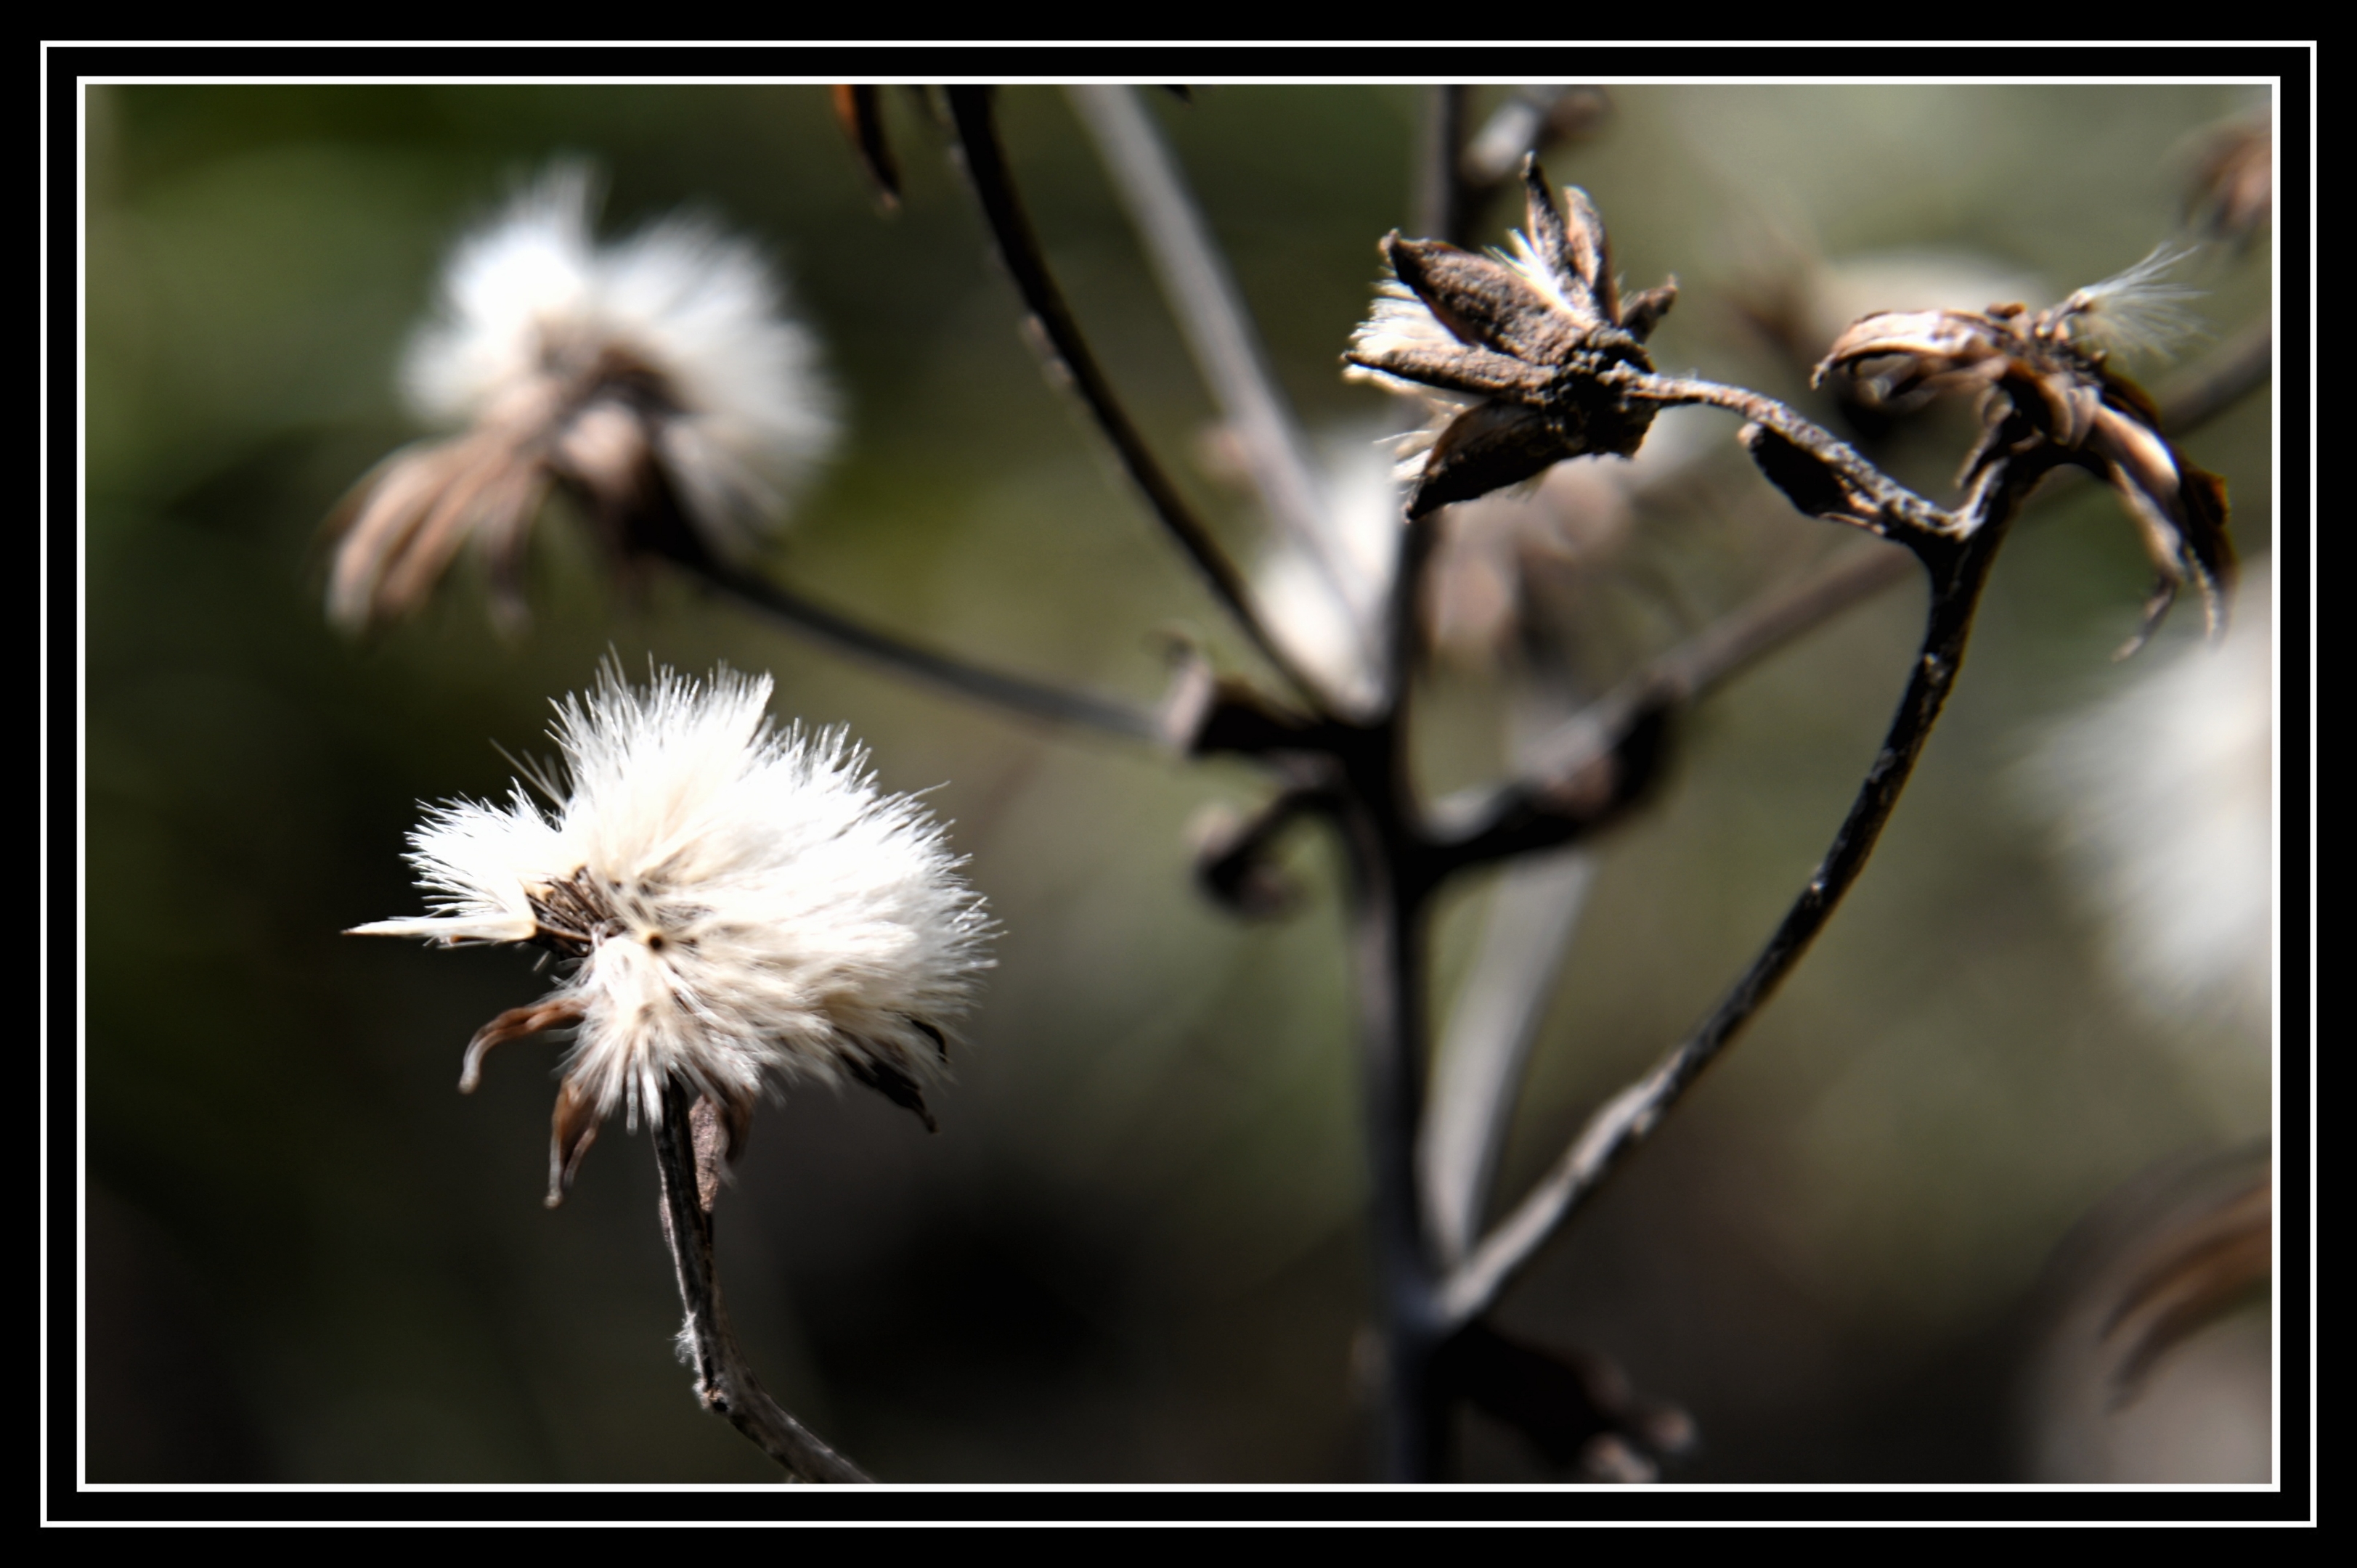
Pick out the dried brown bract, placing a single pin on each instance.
(2046, 393)
(1529, 355)
(592, 429)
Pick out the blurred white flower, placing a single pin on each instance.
(2161, 798)
(658, 380)
(737, 905)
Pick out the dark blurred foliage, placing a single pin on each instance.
(1132, 1252)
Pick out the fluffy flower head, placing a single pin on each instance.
(737, 905)
(658, 378)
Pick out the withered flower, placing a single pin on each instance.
(734, 905)
(1528, 354)
(657, 380)
(2046, 391)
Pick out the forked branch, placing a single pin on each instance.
(1959, 571)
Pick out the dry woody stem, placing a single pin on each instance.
(690, 1147)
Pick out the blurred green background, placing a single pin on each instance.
(1133, 1252)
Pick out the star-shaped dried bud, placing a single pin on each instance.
(2046, 392)
(1528, 354)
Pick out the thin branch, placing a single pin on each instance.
(1212, 316)
(1959, 572)
(986, 166)
(1480, 824)
(1480, 1064)
(1014, 693)
(689, 1142)
(1897, 510)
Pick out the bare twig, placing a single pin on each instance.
(1218, 329)
(689, 1142)
(1014, 693)
(1959, 568)
(986, 168)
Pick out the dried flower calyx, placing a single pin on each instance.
(1530, 354)
(2047, 395)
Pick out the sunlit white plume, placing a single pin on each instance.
(739, 906)
(2139, 311)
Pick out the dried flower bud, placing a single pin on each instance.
(2045, 390)
(736, 904)
(1527, 354)
(658, 381)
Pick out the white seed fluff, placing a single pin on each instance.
(530, 303)
(2161, 798)
(744, 905)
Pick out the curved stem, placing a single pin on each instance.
(1900, 511)
(1958, 573)
(1018, 248)
(688, 1140)
(1014, 693)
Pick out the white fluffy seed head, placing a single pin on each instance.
(2161, 798)
(530, 301)
(744, 905)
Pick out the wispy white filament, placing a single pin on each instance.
(754, 906)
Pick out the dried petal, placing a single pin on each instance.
(1486, 447)
(573, 1128)
(1910, 357)
(515, 1023)
(1484, 303)
(1815, 487)
(2180, 512)
(1591, 254)
(1640, 311)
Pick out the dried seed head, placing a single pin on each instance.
(657, 379)
(1525, 354)
(2047, 393)
(737, 906)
